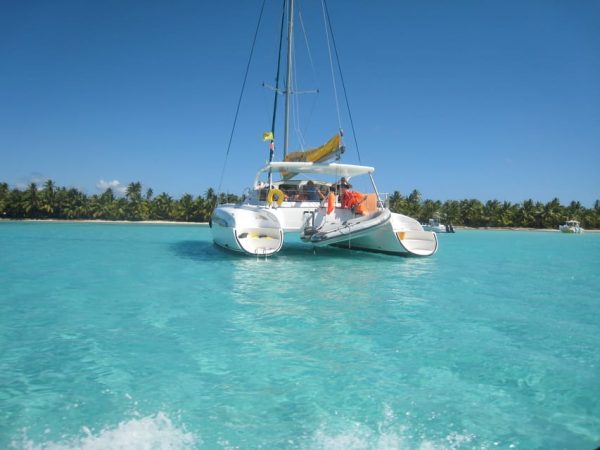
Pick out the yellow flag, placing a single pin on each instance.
(268, 136)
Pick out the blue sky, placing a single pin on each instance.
(470, 99)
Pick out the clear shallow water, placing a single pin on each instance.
(147, 336)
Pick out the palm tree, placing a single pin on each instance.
(429, 209)
(413, 203)
(472, 212)
(528, 214)
(185, 208)
(397, 203)
(575, 210)
(48, 199)
(76, 204)
(491, 213)
(210, 203)
(451, 212)
(507, 212)
(31, 201)
(552, 214)
(133, 193)
(162, 207)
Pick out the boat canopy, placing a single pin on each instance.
(334, 169)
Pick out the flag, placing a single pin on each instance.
(268, 136)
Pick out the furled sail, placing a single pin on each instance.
(333, 148)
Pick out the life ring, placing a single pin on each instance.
(330, 202)
(275, 195)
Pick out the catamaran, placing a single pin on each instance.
(308, 193)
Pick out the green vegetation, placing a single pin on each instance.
(494, 213)
(52, 202)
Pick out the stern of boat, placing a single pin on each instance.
(412, 237)
(245, 229)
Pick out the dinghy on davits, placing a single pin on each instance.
(335, 231)
(400, 235)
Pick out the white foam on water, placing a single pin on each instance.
(156, 432)
(390, 434)
(361, 438)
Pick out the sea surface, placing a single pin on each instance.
(131, 336)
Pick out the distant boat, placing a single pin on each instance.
(570, 226)
(437, 227)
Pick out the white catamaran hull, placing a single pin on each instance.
(250, 230)
(260, 230)
(401, 235)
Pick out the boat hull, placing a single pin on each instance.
(382, 231)
(253, 231)
(351, 229)
(261, 230)
(401, 235)
(570, 230)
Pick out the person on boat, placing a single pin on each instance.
(333, 190)
(339, 184)
(350, 199)
(312, 193)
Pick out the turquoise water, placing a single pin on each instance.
(147, 336)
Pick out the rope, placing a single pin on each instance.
(237, 111)
(310, 58)
(342, 79)
(337, 103)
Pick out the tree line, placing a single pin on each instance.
(51, 202)
(495, 213)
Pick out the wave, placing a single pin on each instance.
(152, 432)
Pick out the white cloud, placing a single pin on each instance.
(115, 185)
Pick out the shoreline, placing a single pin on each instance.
(120, 222)
(542, 230)
(205, 224)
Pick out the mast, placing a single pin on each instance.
(288, 87)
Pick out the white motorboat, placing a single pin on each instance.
(437, 227)
(308, 195)
(570, 226)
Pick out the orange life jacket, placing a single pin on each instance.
(352, 199)
(330, 202)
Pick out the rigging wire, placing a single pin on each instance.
(342, 78)
(301, 131)
(295, 100)
(335, 93)
(237, 111)
(310, 58)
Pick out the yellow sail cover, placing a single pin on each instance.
(316, 154)
(326, 151)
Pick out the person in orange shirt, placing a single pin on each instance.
(350, 199)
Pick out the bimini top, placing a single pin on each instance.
(334, 169)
